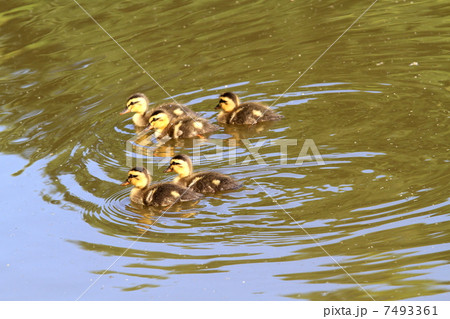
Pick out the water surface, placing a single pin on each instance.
(375, 105)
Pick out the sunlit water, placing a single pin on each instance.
(367, 218)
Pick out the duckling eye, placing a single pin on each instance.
(154, 119)
(132, 176)
(222, 101)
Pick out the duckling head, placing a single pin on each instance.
(158, 121)
(228, 101)
(139, 177)
(137, 103)
(181, 164)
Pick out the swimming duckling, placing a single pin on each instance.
(233, 112)
(183, 127)
(138, 103)
(202, 182)
(162, 194)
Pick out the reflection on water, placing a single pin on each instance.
(374, 105)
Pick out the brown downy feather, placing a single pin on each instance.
(187, 127)
(183, 127)
(234, 112)
(175, 110)
(141, 118)
(162, 194)
(209, 182)
(202, 182)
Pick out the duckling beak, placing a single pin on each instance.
(126, 183)
(148, 128)
(127, 110)
(217, 106)
(168, 169)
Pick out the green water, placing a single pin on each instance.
(370, 221)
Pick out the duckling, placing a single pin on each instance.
(233, 112)
(162, 194)
(202, 182)
(138, 103)
(184, 127)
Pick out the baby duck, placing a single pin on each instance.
(138, 103)
(233, 112)
(162, 194)
(202, 182)
(184, 127)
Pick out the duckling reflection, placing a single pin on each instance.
(202, 182)
(235, 112)
(240, 132)
(167, 150)
(148, 146)
(148, 216)
(138, 103)
(162, 194)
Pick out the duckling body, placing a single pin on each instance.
(208, 182)
(233, 112)
(138, 103)
(182, 127)
(161, 194)
(202, 182)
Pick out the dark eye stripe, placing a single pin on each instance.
(132, 176)
(222, 101)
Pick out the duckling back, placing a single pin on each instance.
(209, 182)
(163, 194)
(187, 127)
(175, 110)
(251, 113)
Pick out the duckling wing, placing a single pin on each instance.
(166, 194)
(189, 195)
(207, 127)
(271, 115)
(212, 182)
(177, 110)
(252, 113)
(190, 128)
(177, 127)
(246, 113)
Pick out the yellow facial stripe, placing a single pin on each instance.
(138, 179)
(135, 173)
(132, 101)
(227, 99)
(227, 104)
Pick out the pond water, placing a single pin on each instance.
(364, 217)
